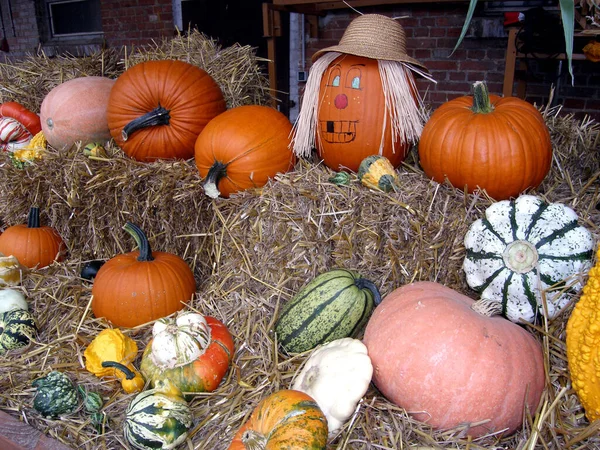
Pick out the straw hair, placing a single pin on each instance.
(374, 36)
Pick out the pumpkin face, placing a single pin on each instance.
(76, 111)
(498, 144)
(285, 419)
(157, 109)
(140, 286)
(432, 352)
(33, 245)
(242, 148)
(351, 115)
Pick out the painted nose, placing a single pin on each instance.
(341, 101)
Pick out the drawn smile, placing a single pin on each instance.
(338, 131)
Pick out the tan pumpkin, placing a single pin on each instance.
(76, 111)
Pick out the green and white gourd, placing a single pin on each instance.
(17, 327)
(334, 305)
(158, 418)
(528, 257)
(56, 395)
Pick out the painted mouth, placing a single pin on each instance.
(338, 131)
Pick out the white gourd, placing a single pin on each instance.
(11, 299)
(337, 376)
(11, 271)
(528, 257)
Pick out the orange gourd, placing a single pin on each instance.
(140, 286)
(498, 144)
(285, 419)
(449, 365)
(27, 118)
(76, 111)
(157, 109)
(351, 115)
(32, 244)
(242, 148)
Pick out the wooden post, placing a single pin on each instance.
(271, 30)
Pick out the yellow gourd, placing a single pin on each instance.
(35, 149)
(111, 354)
(583, 344)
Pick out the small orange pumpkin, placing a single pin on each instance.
(33, 245)
(242, 148)
(157, 109)
(140, 286)
(285, 419)
(498, 144)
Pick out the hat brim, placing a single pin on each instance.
(368, 52)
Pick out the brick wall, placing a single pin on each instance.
(432, 31)
(24, 37)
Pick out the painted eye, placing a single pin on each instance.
(356, 83)
(336, 81)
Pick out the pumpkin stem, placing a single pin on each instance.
(158, 116)
(217, 171)
(363, 283)
(253, 440)
(487, 307)
(33, 219)
(481, 98)
(129, 374)
(141, 241)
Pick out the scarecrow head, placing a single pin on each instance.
(360, 97)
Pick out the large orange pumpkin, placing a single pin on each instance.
(33, 245)
(157, 109)
(498, 144)
(285, 419)
(351, 115)
(242, 148)
(76, 111)
(448, 365)
(140, 286)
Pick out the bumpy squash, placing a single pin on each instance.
(76, 111)
(377, 172)
(56, 394)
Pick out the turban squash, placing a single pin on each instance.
(157, 109)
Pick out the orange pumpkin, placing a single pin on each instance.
(352, 113)
(286, 419)
(140, 286)
(33, 245)
(76, 111)
(242, 148)
(498, 144)
(448, 365)
(157, 109)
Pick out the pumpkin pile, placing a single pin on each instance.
(355, 321)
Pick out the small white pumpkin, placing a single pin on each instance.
(177, 342)
(10, 271)
(337, 376)
(12, 299)
(525, 250)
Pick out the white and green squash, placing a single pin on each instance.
(158, 418)
(17, 327)
(56, 395)
(334, 305)
(527, 257)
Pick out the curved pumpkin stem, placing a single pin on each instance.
(481, 98)
(129, 374)
(158, 116)
(141, 240)
(33, 218)
(217, 171)
(363, 283)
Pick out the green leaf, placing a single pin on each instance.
(472, 5)
(567, 12)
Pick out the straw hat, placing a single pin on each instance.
(374, 36)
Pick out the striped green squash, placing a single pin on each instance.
(17, 326)
(158, 418)
(334, 305)
(524, 251)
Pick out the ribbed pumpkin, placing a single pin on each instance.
(76, 111)
(157, 109)
(32, 244)
(498, 144)
(242, 148)
(449, 365)
(140, 286)
(286, 419)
